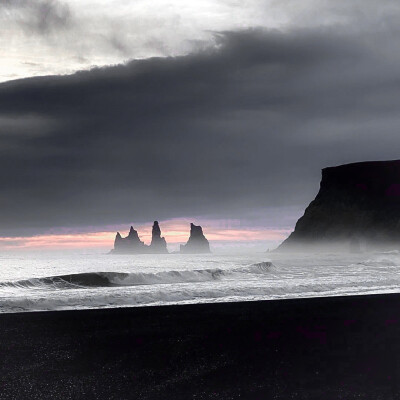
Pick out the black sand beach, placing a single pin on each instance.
(322, 348)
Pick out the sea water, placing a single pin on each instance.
(82, 281)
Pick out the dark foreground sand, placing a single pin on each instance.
(332, 348)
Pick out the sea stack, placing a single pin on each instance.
(357, 206)
(158, 243)
(129, 244)
(197, 242)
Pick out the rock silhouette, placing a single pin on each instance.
(357, 205)
(133, 245)
(129, 244)
(197, 242)
(158, 243)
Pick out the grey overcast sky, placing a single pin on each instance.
(44, 37)
(222, 109)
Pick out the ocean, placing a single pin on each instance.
(52, 281)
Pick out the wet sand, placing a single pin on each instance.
(321, 348)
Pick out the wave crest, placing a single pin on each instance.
(115, 279)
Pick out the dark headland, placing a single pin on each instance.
(320, 349)
(356, 208)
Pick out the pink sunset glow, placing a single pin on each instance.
(175, 232)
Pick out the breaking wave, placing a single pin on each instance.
(115, 279)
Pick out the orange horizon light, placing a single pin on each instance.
(175, 232)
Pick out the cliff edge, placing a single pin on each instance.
(357, 207)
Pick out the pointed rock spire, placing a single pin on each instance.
(197, 242)
(133, 235)
(118, 239)
(129, 244)
(158, 243)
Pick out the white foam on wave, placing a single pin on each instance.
(107, 279)
(182, 294)
(147, 281)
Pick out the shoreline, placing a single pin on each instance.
(222, 300)
(309, 348)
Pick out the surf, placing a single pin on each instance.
(115, 279)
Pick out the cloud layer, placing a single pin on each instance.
(237, 131)
(44, 37)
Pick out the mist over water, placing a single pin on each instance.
(84, 281)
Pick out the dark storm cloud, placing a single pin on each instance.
(223, 132)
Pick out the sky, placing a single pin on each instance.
(220, 112)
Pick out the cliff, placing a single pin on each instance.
(357, 206)
(197, 242)
(158, 243)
